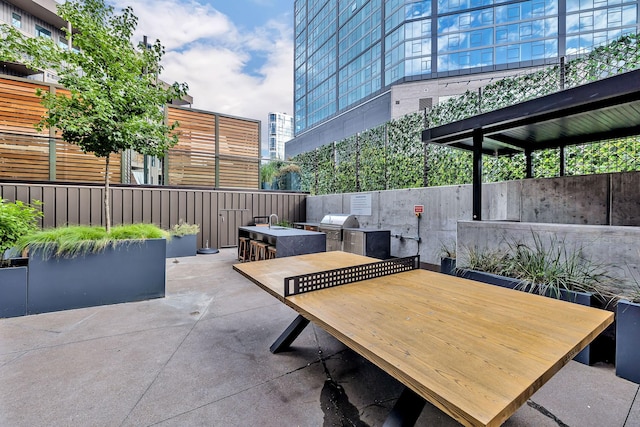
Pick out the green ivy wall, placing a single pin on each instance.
(392, 156)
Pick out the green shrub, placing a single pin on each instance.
(16, 220)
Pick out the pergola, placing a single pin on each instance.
(604, 109)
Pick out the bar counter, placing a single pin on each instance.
(288, 241)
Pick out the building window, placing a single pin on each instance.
(42, 32)
(16, 20)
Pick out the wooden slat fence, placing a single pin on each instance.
(218, 213)
(24, 157)
(214, 150)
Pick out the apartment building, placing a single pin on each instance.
(37, 19)
(360, 63)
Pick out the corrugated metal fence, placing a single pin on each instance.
(219, 213)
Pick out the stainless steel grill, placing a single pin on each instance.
(333, 225)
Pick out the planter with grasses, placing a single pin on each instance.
(182, 240)
(76, 267)
(551, 270)
(628, 336)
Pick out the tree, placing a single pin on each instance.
(116, 101)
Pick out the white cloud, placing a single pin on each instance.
(208, 52)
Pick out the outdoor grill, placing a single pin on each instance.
(333, 225)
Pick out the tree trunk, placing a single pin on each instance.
(107, 215)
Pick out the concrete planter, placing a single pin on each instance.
(179, 246)
(627, 340)
(591, 353)
(129, 271)
(13, 291)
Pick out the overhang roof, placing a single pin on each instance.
(604, 109)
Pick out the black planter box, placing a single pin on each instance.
(591, 353)
(628, 340)
(179, 246)
(128, 271)
(13, 291)
(448, 265)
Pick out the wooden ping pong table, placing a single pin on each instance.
(475, 351)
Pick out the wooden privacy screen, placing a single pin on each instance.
(25, 153)
(192, 160)
(20, 108)
(75, 166)
(238, 157)
(24, 157)
(213, 150)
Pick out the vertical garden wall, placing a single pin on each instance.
(392, 156)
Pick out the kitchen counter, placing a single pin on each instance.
(288, 241)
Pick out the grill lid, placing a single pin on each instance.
(340, 220)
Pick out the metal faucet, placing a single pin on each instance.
(272, 215)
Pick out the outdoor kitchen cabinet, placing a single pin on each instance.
(368, 242)
(287, 241)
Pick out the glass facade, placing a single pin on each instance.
(349, 51)
(280, 131)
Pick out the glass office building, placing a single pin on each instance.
(350, 54)
(280, 127)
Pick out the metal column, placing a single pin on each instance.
(477, 174)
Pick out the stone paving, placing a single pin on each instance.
(200, 357)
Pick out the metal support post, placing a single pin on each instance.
(406, 411)
(289, 335)
(529, 167)
(477, 174)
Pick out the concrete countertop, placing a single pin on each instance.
(365, 230)
(278, 231)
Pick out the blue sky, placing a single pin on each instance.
(235, 55)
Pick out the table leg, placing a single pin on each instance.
(406, 411)
(289, 335)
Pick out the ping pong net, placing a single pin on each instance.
(341, 276)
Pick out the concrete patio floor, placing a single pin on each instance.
(200, 357)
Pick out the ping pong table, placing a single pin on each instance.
(475, 351)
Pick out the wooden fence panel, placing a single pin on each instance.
(24, 158)
(24, 151)
(239, 173)
(193, 160)
(75, 166)
(20, 108)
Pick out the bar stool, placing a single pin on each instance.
(253, 250)
(243, 249)
(262, 251)
(271, 252)
(257, 250)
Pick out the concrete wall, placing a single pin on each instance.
(608, 199)
(617, 248)
(443, 207)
